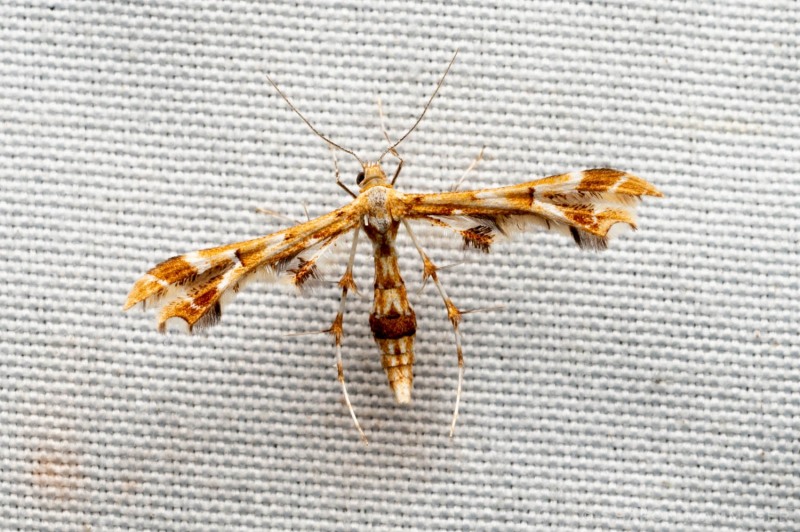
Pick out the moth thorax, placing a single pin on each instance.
(378, 216)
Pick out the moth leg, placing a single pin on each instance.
(429, 272)
(347, 284)
(399, 164)
(281, 216)
(276, 214)
(336, 167)
(473, 165)
(386, 135)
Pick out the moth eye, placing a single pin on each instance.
(359, 178)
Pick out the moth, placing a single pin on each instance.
(587, 206)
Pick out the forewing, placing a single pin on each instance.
(194, 287)
(586, 205)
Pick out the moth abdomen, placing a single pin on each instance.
(392, 321)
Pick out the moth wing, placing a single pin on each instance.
(589, 206)
(194, 287)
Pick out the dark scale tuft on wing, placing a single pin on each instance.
(479, 237)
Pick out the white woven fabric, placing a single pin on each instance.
(653, 386)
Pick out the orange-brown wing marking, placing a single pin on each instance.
(195, 286)
(584, 204)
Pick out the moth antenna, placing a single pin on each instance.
(424, 110)
(391, 148)
(310, 125)
(383, 120)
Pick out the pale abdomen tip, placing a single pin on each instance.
(402, 393)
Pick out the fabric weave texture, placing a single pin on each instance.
(653, 386)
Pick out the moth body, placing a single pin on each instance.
(392, 321)
(588, 206)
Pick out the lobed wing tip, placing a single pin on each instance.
(615, 181)
(645, 187)
(174, 323)
(137, 294)
(145, 287)
(133, 299)
(620, 228)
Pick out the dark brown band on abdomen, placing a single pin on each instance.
(393, 327)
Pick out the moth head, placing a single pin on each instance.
(371, 174)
